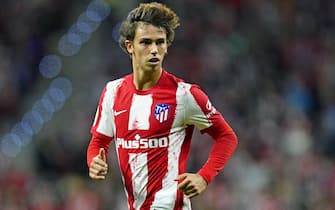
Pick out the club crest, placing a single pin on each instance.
(162, 112)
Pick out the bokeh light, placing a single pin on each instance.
(9, 146)
(70, 44)
(67, 48)
(33, 121)
(64, 84)
(50, 66)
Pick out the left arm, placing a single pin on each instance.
(222, 149)
(204, 116)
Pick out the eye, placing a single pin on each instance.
(160, 41)
(146, 41)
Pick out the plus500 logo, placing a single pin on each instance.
(142, 143)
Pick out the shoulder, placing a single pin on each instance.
(193, 94)
(111, 88)
(171, 79)
(184, 88)
(189, 89)
(113, 85)
(180, 84)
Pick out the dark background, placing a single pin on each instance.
(268, 66)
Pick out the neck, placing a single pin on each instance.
(145, 80)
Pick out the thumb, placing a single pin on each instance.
(102, 154)
(180, 177)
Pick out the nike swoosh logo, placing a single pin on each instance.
(119, 112)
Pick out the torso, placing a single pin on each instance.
(149, 136)
(152, 130)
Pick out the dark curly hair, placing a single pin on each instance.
(153, 13)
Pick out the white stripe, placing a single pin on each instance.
(139, 170)
(166, 114)
(106, 124)
(194, 114)
(187, 203)
(140, 111)
(161, 115)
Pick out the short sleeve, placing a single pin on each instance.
(199, 110)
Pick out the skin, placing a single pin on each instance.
(149, 42)
(99, 167)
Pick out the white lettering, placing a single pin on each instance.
(209, 105)
(153, 143)
(211, 113)
(163, 142)
(142, 143)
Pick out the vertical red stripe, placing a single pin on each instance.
(155, 179)
(124, 103)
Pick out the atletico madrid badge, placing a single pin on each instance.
(162, 112)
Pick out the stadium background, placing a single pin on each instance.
(267, 65)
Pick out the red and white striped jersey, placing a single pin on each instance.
(152, 131)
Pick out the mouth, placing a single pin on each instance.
(153, 61)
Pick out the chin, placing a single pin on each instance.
(154, 68)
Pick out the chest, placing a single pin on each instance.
(149, 115)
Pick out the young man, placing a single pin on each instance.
(150, 114)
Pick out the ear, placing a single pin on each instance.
(129, 46)
(167, 46)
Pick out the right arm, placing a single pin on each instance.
(96, 156)
(102, 134)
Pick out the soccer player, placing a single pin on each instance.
(150, 115)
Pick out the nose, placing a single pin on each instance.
(154, 48)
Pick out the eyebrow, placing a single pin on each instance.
(144, 38)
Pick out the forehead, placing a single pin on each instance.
(146, 30)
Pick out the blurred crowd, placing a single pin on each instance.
(268, 66)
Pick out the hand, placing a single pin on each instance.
(99, 167)
(191, 184)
